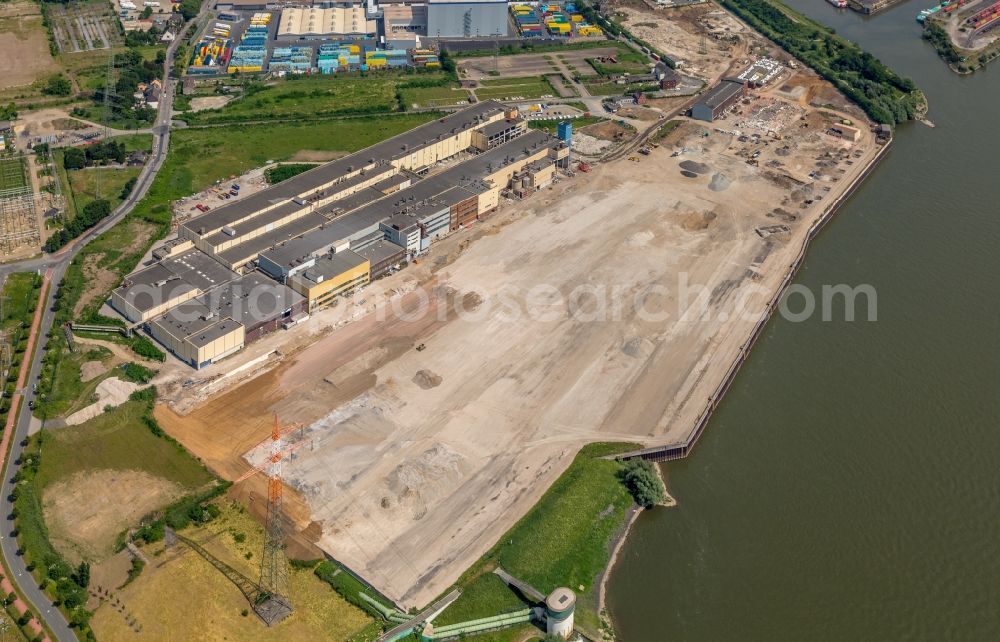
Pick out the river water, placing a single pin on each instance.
(848, 488)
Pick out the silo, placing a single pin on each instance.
(565, 132)
(559, 607)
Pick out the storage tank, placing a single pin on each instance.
(559, 607)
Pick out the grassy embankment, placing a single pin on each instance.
(958, 59)
(564, 540)
(19, 299)
(880, 92)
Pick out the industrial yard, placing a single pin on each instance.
(415, 458)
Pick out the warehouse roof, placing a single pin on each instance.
(387, 150)
(214, 332)
(334, 265)
(173, 277)
(430, 194)
(380, 251)
(249, 249)
(249, 301)
(724, 91)
(252, 299)
(499, 126)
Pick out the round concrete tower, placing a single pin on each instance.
(559, 607)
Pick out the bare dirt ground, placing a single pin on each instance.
(201, 103)
(23, 39)
(101, 279)
(481, 68)
(315, 156)
(83, 519)
(606, 308)
(110, 392)
(681, 33)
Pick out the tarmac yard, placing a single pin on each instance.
(607, 308)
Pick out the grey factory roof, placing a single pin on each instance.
(448, 188)
(210, 334)
(498, 127)
(392, 181)
(725, 90)
(380, 251)
(250, 300)
(334, 264)
(173, 277)
(260, 243)
(387, 150)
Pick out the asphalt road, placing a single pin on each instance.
(58, 262)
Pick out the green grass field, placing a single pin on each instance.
(629, 60)
(69, 392)
(311, 97)
(551, 126)
(503, 88)
(13, 173)
(570, 528)
(423, 97)
(84, 184)
(19, 300)
(487, 595)
(118, 440)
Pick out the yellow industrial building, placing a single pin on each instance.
(330, 277)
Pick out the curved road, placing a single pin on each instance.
(58, 262)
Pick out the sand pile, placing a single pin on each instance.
(427, 379)
(110, 392)
(719, 182)
(694, 166)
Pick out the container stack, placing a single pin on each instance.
(211, 54)
(425, 58)
(248, 56)
(334, 57)
(296, 60)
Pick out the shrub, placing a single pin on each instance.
(642, 481)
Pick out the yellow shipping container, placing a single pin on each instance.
(575, 17)
(376, 62)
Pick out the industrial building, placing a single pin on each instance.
(466, 18)
(332, 229)
(208, 328)
(347, 21)
(152, 291)
(331, 276)
(719, 99)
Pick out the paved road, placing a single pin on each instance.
(58, 263)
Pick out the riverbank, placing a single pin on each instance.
(683, 447)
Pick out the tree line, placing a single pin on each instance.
(90, 215)
(96, 154)
(885, 96)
